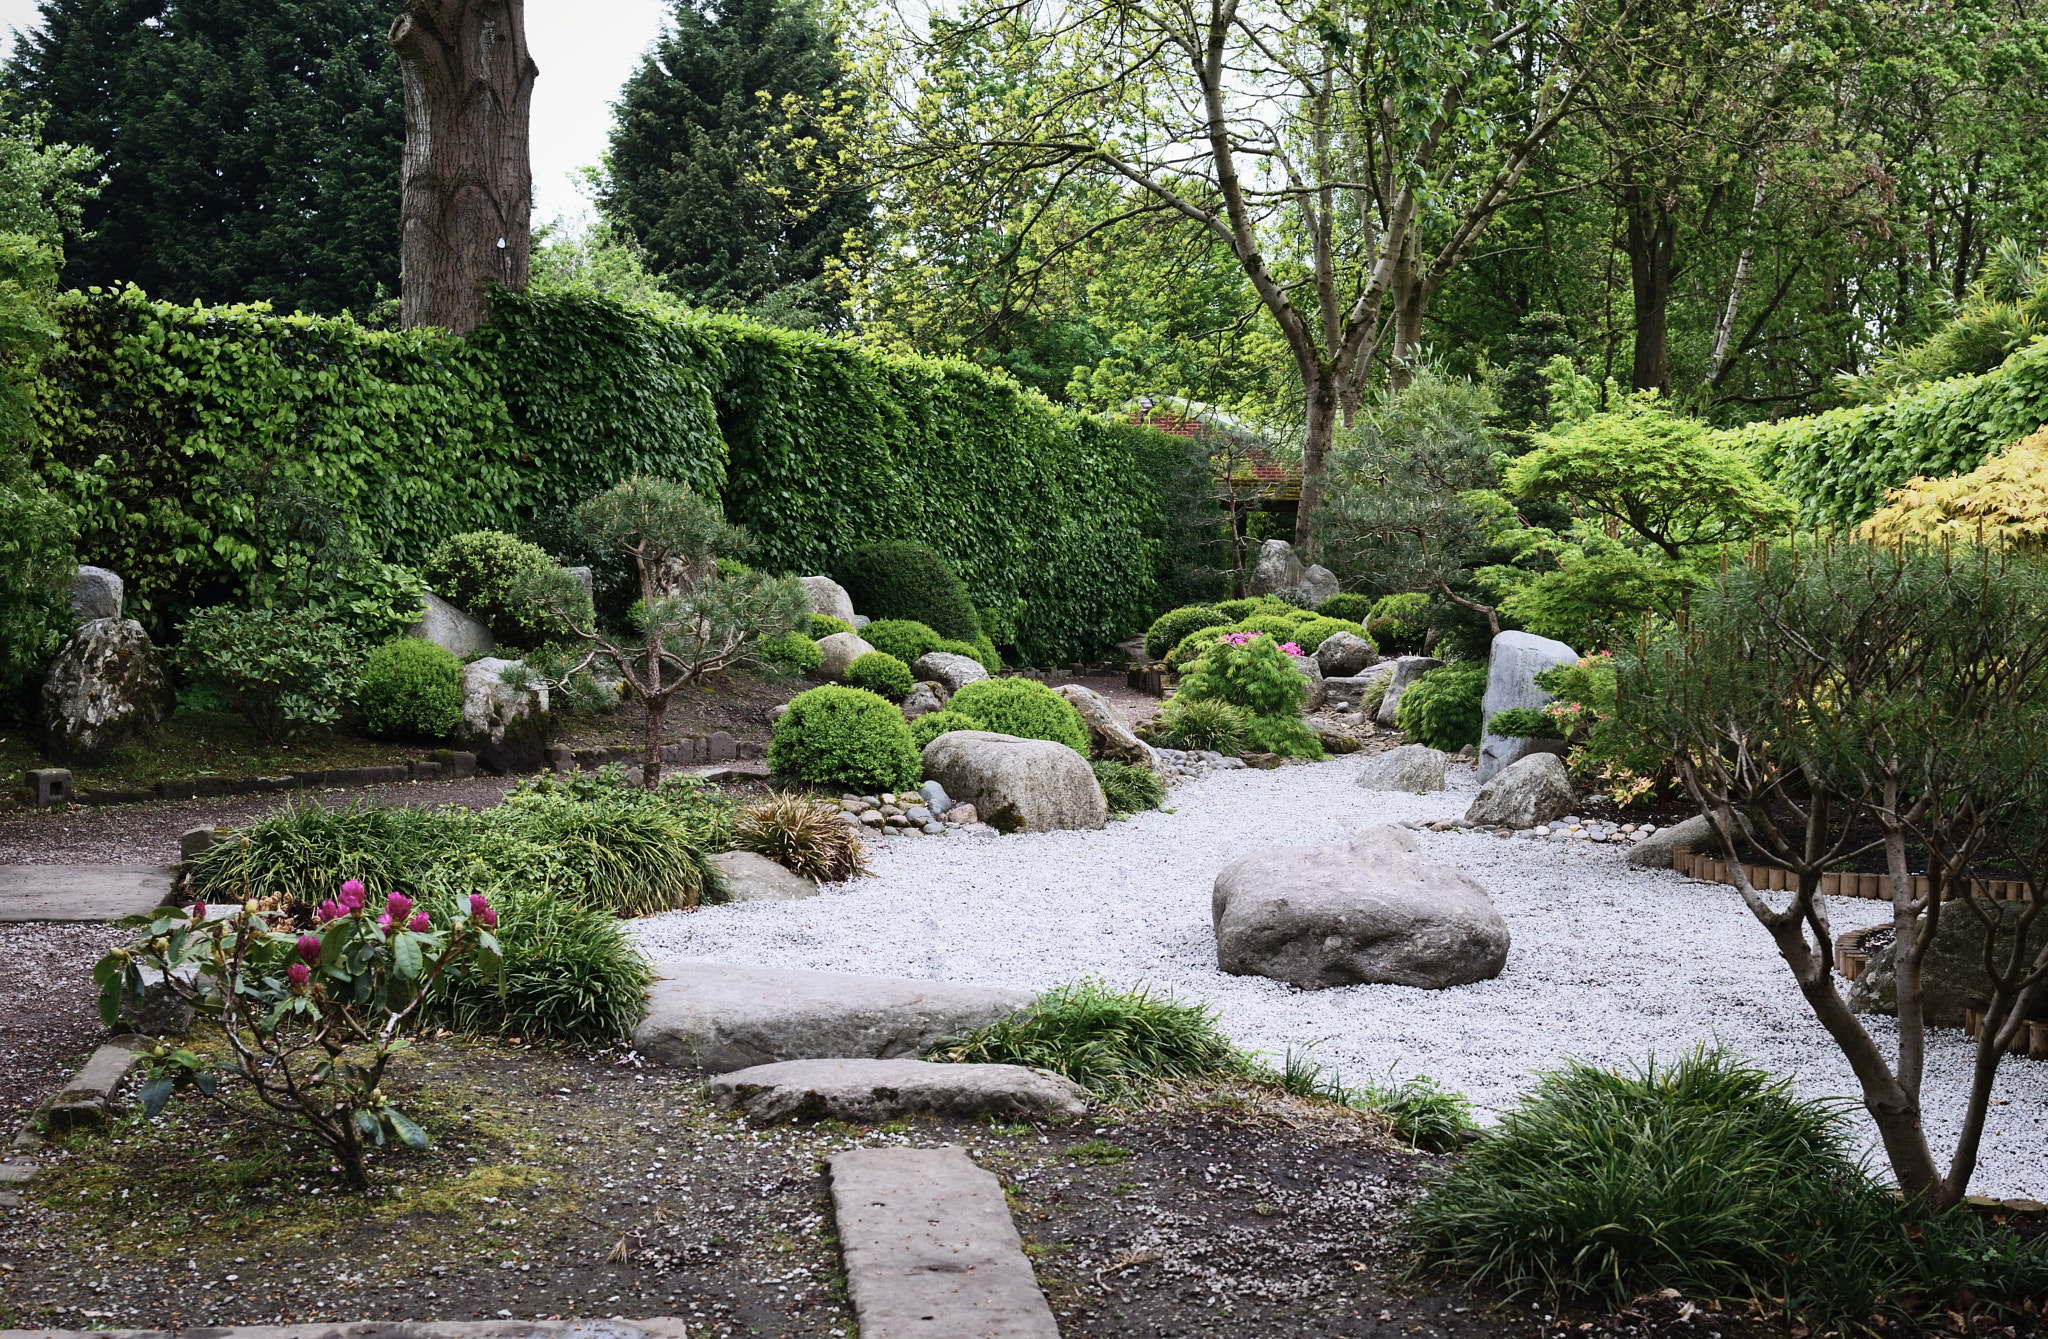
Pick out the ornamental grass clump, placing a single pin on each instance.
(802, 835)
(1115, 1043)
(569, 971)
(1128, 789)
(1207, 726)
(616, 847)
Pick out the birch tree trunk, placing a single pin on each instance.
(467, 182)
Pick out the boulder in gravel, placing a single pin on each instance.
(1412, 767)
(1952, 972)
(1533, 790)
(96, 593)
(1108, 736)
(1654, 851)
(452, 630)
(828, 597)
(105, 686)
(1343, 654)
(1373, 911)
(1017, 785)
(954, 671)
(506, 727)
(1406, 670)
(1511, 670)
(869, 1092)
(925, 698)
(1318, 584)
(1278, 571)
(840, 650)
(1313, 673)
(753, 877)
(935, 797)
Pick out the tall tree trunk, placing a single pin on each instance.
(1410, 299)
(1321, 385)
(467, 181)
(1652, 242)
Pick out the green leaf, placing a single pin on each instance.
(157, 1092)
(403, 1127)
(334, 941)
(370, 1127)
(110, 1002)
(405, 955)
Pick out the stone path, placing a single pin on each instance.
(930, 1249)
(81, 892)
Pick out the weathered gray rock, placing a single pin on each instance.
(507, 728)
(1017, 785)
(96, 593)
(1654, 851)
(935, 797)
(868, 1092)
(1412, 767)
(451, 629)
(1313, 673)
(753, 877)
(89, 1098)
(840, 650)
(105, 687)
(1355, 688)
(1952, 972)
(1344, 654)
(1511, 670)
(722, 1017)
(1373, 911)
(925, 698)
(828, 597)
(1406, 670)
(1278, 571)
(954, 671)
(584, 578)
(1108, 736)
(1532, 790)
(860, 621)
(1318, 584)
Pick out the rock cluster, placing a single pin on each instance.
(1187, 764)
(1411, 767)
(1572, 828)
(926, 813)
(1280, 572)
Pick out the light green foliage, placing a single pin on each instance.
(2005, 310)
(599, 259)
(1311, 633)
(1129, 789)
(280, 670)
(1598, 594)
(570, 971)
(1168, 629)
(1277, 626)
(824, 625)
(901, 580)
(932, 724)
(1191, 647)
(1257, 677)
(1348, 605)
(410, 687)
(1250, 605)
(481, 573)
(1209, 725)
(981, 651)
(881, 674)
(789, 653)
(619, 848)
(1441, 709)
(834, 736)
(1024, 708)
(1524, 723)
(905, 639)
(1288, 736)
(44, 184)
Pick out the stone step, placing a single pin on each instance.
(81, 892)
(664, 1327)
(869, 1092)
(930, 1249)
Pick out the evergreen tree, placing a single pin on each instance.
(251, 147)
(694, 173)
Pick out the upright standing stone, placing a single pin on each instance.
(506, 728)
(828, 597)
(1278, 571)
(1517, 658)
(451, 629)
(1407, 669)
(105, 686)
(96, 593)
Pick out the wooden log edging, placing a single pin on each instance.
(1870, 887)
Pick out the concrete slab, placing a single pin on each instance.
(661, 1328)
(930, 1249)
(872, 1091)
(724, 1017)
(81, 892)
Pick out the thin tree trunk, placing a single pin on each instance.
(1652, 238)
(1409, 301)
(1321, 386)
(466, 183)
(1726, 329)
(650, 771)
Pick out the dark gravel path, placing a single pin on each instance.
(49, 1014)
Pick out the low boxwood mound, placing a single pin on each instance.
(1167, 630)
(1442, 708)
(899, 579)
(932, 724)
(791, 654)
(1311, 633)
(1347, 605)
(904, 638)
(1024, 708)
(845, 737)
(882, 674)
(410, 687)
(824, 625)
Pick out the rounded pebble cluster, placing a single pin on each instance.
(906, 815)
(1174, 765)
(1572, 828)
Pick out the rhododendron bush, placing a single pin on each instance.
(313, 1007)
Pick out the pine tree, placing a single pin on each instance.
(692, 145)
(251, 147)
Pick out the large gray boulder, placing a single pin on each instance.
(1654, 851)
(828, 597)
(506, 727)
(1318, 584)
(752, 877)
(1278, 571)
(1952, 971)
(1412, 767)
(840, 650)
(954, 671)
(1511, 670)
(869, 1092)
(1313, 673)
(106, 686)
(1344, 654)
(1017, 785)
(1108, 737)
(96, 593)
(1407, 669)
(1373, 911)
(1532, 790)
(453, 630)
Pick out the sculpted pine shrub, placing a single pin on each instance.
(1250, 671)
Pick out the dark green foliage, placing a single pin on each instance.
(1441, 709)
(1406, 621)
(932, 724)
(1115, 1043)
(1186, 527)
(36, 527)
(1255, 676)
(251, 151)
(824, 625)
(1168, 629)
(1024, 708)
(1129, 789)
(1253, 604)
(1427, 1115)
(571, 972)
(907, 581)
(614, 584)
(1211, 726)
(834, 736)
(881, 674)
(1288, 736)
(481, 573)
(1525, 723)
(618, 847)
(903, 638)
(280, 670)
(1521, 391)
(792, 653)
(410, 687)
(1347, 605)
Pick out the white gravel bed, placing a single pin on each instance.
(1609, 963)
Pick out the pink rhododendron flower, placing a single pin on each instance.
(487, 918)
(384, 921)
(1290, 648)
(1241, 638)
(419, 922)
(198, 911)
(299, 974)
(352, 894)
(397, 906)
(309, 947)
(478, 904)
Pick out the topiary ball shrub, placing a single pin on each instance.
(1311, 633)
(824, 625)
(882, 674)
(932, 724)
(1208, 726)
(791, 654)
(479, 572)
(1167, 630)
(845, 737)
(980, 651)
(1129, 789)
(1024, 708)
(1276, 626)
(1288, 736)
(906, 580)
(1347, 605)
(1441, 709)
(410, 687)
(1249, 671)
(904, 638)
(1407, 623)
(1256, 604)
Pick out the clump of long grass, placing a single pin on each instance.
(1129, 789)
(792, 829)
(1208, 724)
(619, 848)
(571, 972)
(303, 852)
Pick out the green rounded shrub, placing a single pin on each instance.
(1193, 645)
(1279, 628)
(904, 638)
(1408, 620)
(824, 625)
(905, 580)
(981, 651)
(1347, 605)
(791, 653)
(480, 573)
(882, 674)
(1441, 709)
(846, 737)
(1167, 630)
(932, 724)
(1255, 676)
(1129, 789)
(1311, 633)
(1257, 604)
(1288, 736)
(1207, 725)
(410, 687)
(1024, 708)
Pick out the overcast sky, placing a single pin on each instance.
(585, 50)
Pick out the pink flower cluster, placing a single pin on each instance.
(480, 908)
(397, 907)
(1247, 638)
(350, 900)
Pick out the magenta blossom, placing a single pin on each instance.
(487, 918)
(329, 910)
(384, 921)
(299, 974)
(419, 922)
(1290, 648)
(198, 911)
(478, 904)
(352, 894)
(309, 947)
(397, 906)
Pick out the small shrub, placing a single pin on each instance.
(1115, 1043)
(482, 573)
(824, 625)
(1254, 675)
(1209, 725)
(1024, 708)
(570, 971)
(1129, 789)
(1407, 620)
(280, 670)
(1167, 630)
(617, 847)
(985, 651)
(882, 674)
(932, 724)
(1427, 1115)
(1254, 604)
(1279, 627)
(790, 653)
(800, 834)
(1288, 736)
(1347, 605)
(731, 568)
(1525, 723)
(849, 737)
(1311, 633)
(901, 637)
(1190, 648)
(899, 579)
(410, 687)
(1441, 709)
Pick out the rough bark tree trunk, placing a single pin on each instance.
(1410, 299)
(1652, 244)
(1321, 386)
(467, 181)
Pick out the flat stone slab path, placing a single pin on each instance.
(81, 892)
(930, 1249)
(869, 1092)
(662, 1328)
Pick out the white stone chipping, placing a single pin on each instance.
(1608, 963)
